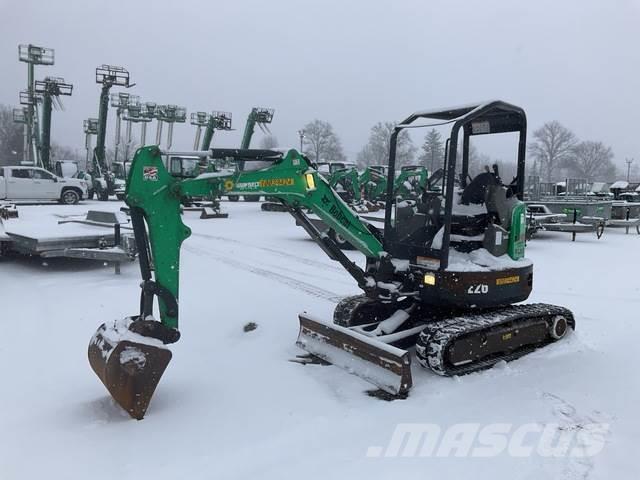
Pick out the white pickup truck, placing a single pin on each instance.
(28, 184)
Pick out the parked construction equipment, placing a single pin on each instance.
(411, 182)
(444, 274)
(102, 178)
(32, 55)
(50, 89)
(261, 117)
(211, 122)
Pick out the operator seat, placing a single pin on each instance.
(500, 205)
(476, 191)
(471, 225)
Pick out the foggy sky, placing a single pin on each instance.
(352, 63)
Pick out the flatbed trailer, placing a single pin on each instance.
(99, 236)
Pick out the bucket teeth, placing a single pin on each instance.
(129, 365)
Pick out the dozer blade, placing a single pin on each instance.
(384, 365)
(208, 212)
(128, 364)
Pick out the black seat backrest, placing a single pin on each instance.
(476, 191)
(500, 205)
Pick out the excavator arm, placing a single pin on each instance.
(129, 355)
(153, 196)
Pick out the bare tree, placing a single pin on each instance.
(592, 161)
(321, 142)
(553, 146)
(11, 138)
(376, 151)
(63, 152)
(432, 155)
(268, 142)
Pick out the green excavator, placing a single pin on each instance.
(443, 275)
(374, 183)
(411, 182)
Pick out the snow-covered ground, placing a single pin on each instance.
(231, 405)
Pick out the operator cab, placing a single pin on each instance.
(381, 169)
(462, 214)
(184, 166)
(121, 169)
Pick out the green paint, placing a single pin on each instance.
(518, 230)
(151, 188)
(569, 211)
(349, 179)
(415, 176)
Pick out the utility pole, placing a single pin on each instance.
(301, 135)
(629, 161)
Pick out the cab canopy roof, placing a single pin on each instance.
(494, 116)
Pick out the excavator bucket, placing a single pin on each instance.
(128, 364)
(384, 365)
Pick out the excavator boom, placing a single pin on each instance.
(154, 195)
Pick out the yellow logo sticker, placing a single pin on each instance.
(277, 182)
(228, 184)
(508, 280)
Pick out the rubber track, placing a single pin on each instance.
(345, 308)
(432, 342)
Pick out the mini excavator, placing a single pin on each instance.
(445, 274)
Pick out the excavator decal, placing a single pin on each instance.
(150, 174)
(277, 182)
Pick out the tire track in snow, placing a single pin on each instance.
(328, 276)
(300, 285)
(569, 419)
(281, 253)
